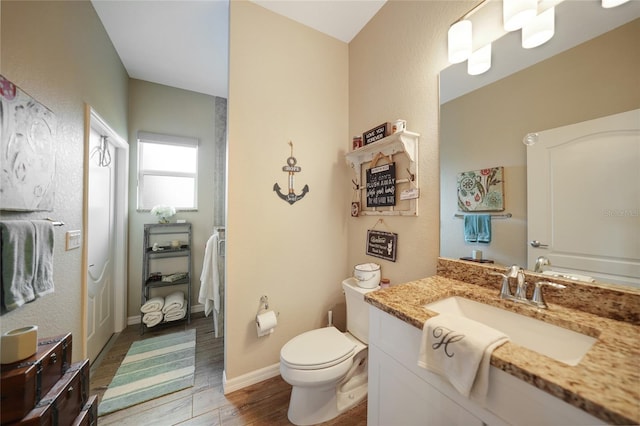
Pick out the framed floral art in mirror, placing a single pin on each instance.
(481, 190)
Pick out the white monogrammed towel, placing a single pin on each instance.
(459, 349)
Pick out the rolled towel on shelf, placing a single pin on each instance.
(173, 301)
(152, 318)
(176, 314)
(155, 304)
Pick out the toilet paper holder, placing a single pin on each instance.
(264, 304)
(263, 307)
(266, 319)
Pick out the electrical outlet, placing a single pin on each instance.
(73, 239)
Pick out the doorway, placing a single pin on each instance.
(583, 198)
(104, 251)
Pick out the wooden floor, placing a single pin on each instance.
(264, 403)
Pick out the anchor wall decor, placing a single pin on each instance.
(291, 168)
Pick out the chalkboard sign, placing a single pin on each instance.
(381, 186)
(377, 133)
(382, 244)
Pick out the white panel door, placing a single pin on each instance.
(100, 247)
(583, 184)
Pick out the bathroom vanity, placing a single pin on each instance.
(525, 387)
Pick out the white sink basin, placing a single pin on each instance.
(547, 339)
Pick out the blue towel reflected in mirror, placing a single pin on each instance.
(477, 228)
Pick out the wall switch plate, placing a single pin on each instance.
(73, 239)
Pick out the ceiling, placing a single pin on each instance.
(184, 43)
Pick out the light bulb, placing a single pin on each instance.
(539, 30)
(479, 61)
(459, 41)
(516, 13)
(612, 3)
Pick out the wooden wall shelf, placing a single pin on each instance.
(401, 148)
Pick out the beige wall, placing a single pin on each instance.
(161, 109)
(485, 128)
(59, 53)
(287, 83)
(393, 73)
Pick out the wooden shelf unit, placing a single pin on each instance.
(181, 231)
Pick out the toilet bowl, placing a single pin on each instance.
(327, 368)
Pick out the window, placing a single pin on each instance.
(167, 171)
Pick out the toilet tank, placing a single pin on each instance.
(357, 309)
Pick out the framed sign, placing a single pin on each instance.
(381, 186)
(382, 244)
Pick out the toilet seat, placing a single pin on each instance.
(317, 349)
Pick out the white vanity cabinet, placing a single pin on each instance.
(402, 393)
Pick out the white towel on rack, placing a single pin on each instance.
(209, 294)
(155, 304)
(173, 301)
(152, 318)
(176, 313)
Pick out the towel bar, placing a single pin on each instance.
(493, 216)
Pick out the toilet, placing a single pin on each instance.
(328, 368)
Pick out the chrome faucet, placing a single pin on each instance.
(505, 289)
(541, 262)
(520, 295)
(521, 287)
(538, 299)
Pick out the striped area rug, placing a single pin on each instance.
(152, 368)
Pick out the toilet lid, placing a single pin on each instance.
(317, 349)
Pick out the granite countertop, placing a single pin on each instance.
(606, 382)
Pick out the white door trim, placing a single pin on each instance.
(93, 119)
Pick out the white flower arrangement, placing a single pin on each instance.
(163, 212)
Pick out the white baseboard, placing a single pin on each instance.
(249, 379)
(136, 318)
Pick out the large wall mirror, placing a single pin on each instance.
(483, 119)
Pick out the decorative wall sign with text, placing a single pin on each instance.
(382, 244)
(381, 186)
(291, 168)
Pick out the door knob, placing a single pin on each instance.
(538, 244)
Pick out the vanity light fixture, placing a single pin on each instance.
(516, 13)
(480, 61)
(459, 41)
(612, 3)
(539, 30)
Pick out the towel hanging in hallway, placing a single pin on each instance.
(210, 281)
